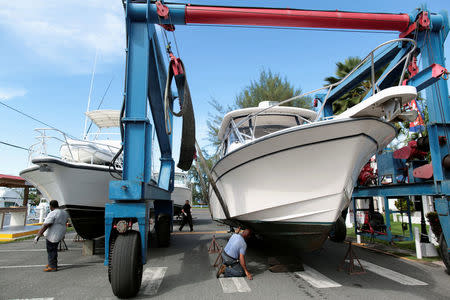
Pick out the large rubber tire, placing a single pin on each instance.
(126, 265)
(339, 231)
(111, 250)
(163, 230)
(443, 252)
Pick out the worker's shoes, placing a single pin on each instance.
(49, 269)
(221, 270)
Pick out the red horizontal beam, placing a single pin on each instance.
(294, 18)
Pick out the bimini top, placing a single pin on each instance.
(105, 118)
(239, 114)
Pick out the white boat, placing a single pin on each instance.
(10, 197)
(287, 176)
(181, 191)
(79, 176)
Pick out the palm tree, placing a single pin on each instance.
(358, 93)
(354, 96)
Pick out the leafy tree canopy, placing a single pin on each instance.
(352, 97)
(358, 93)
(199, 191)
(269, 87)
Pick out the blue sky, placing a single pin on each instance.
(48, 48)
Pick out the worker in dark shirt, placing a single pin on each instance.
(187, 216)
(233, 256)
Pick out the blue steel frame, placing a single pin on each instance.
(144, 63)
(144, 88)
(431, 45)
(389, 237)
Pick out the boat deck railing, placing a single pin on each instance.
(369, 59)
(46, 143)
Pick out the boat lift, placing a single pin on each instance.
(126, 248)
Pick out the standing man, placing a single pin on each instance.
(187, 216)
(234, 256)
(56, 225)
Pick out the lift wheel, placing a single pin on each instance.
(126, 265)
(443, 251)
(162, 229)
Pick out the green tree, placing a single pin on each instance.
(214, 121)
(358, 93)
(200, 192)
(352, 97)
(402, 204)
(269, 87)
(34, 196)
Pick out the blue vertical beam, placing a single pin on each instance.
(408, 205)
(437, 94)
(388, 218)
(136, 121)
(137, 135)
(442, 205)
(354, 215)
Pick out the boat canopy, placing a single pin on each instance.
(105, 118)
(239, 114)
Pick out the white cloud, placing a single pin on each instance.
(9, 93)
(67, 33)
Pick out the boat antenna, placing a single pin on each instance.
(89, 97)
(100, 104)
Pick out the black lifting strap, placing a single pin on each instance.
(187, 148)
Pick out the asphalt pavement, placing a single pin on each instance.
(184, 271)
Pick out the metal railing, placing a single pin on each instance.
(374, 86)
(41, 146)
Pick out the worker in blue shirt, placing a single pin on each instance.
(234, 256)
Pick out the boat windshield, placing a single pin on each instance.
(265, 124)
(180, 179)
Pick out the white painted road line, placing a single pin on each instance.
(241, 284)
(22, 250)
(389, 274)
(151, 280)
(33, 250)
(35, 299)
(316, 279)
(234, 285)
(42, 266)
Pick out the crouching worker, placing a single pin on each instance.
(234, 256)
(54, 229)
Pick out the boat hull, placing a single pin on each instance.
(293, 184)
(179, 196)
(81, 189)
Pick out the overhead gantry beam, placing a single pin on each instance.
(280, 17)
(295, 18)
